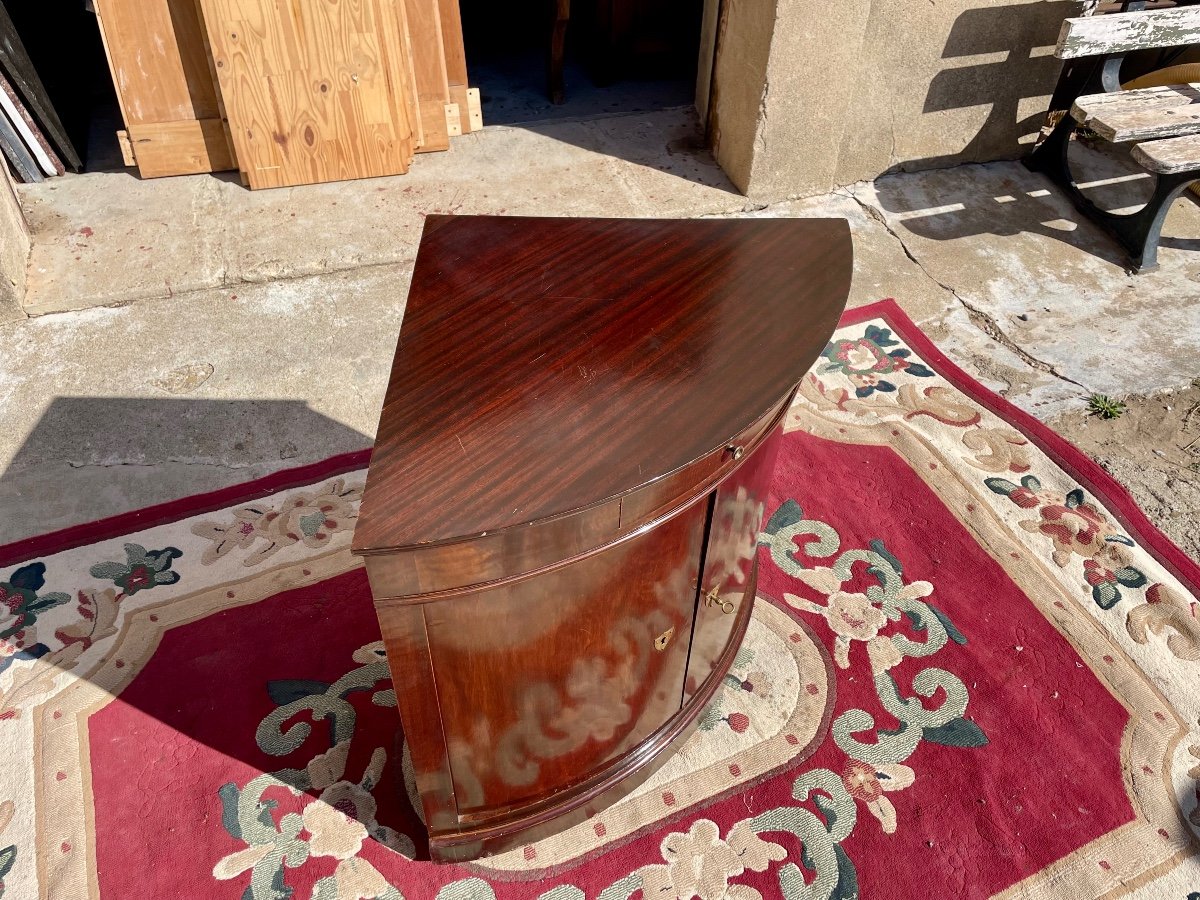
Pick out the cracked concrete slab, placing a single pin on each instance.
(1047, 285)
(109, 238)
(883, 268)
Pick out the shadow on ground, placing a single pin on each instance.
(946, 209)
(88, 458)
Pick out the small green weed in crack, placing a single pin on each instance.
(1105, 407)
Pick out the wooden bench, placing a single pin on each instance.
(1163, 123)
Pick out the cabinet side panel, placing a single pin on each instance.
(543, 681)
(404, 637)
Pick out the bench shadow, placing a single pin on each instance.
(1025, 34)
(1005, 199)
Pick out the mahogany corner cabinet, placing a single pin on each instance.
(563, 505)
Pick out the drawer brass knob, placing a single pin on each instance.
(737, 451)
(660, 642)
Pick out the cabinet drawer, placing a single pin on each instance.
(644, 503)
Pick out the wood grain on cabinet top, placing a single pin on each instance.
(545, 365)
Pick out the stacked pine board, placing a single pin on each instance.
(286, 93)
(32, 138)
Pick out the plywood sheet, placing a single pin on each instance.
(313, 92)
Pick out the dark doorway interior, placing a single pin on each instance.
(619, 56)
(62, 39)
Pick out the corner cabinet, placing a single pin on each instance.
(563, 506)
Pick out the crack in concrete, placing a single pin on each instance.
(34, 313)
(978, 317)
(153, 465)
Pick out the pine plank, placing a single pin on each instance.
(156, 53)
(429, 62)
(160, 69)
(456, 61)
(312, 92)
(212, 71)
(411, 104)
(1143, 114)
(1170, 156)
(1123, 32)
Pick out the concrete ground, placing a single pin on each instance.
(183, 334)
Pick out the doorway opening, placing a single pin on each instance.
(63, 43)
(615, 56)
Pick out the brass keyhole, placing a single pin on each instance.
(660, 642)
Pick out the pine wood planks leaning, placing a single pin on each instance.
(312, 92)
(156, 54)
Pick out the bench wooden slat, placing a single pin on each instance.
(1123, 32)
(1169, 157)
(1141, 115)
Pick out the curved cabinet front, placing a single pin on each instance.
(539, 699)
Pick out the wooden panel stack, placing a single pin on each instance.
(287, 93)
(32, 138)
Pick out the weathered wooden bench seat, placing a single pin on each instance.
(1141, 115)
(1163, 123)
(1170, 156)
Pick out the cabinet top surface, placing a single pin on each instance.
(548, 364)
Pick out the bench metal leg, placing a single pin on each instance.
(1138, 232)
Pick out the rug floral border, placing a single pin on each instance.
(1111, 583)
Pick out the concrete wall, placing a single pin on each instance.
(14, 249)
(812, 94)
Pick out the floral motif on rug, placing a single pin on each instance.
(971, 672)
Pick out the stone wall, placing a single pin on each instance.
(812, 94)
(14, 249)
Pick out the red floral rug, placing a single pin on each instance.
(974, 670)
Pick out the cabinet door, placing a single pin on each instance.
(737, 513)
(545, 682)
